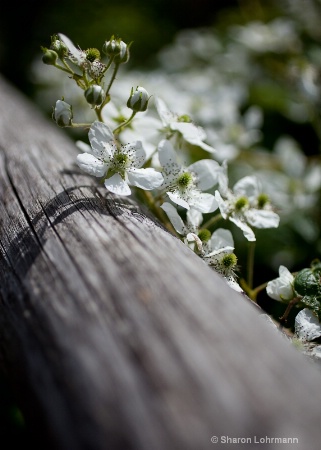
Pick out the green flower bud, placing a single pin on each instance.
(63, 114)
(49, 57)
(138, 100)
(123, 56)
(59, 47)
(112, 47)
(307, 283)
(95, 95)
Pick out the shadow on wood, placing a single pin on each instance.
(115, 335)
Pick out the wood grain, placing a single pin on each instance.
(114, 334)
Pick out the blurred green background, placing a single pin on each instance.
(25, 26)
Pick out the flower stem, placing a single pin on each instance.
(118, 129)
(212, 221)
(80, 125)
(250, 264)
(112, 79)
(285, 316)
(252, 293)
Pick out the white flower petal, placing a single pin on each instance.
(193, 134)
(233, 284)
(166, 153)
(101, 139)
(222, 204)
(194, 218)
(207, 171)
(223, 179)
(204, 202)
(76, 52)
(92, 165)
(281, 288)
(247, 231)
(307, 325)
(261, 218)
(174, 217)
(222, 238)
(140, 154)
(145, 178)
(164, 113)
(247, 186)
(177, 199)
(117, 185)
(220, 250)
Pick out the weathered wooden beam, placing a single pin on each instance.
(114, 333)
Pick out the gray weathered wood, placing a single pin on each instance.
(115, 334)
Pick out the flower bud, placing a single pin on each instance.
(112, 47)
(63, 114)
(95, 95)
(138, 100)
(49, 57)
(123, 55)
(117, 49)
(58, 46)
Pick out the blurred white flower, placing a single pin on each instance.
(281, 288)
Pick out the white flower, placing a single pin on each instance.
(189, 230)
(76, 55)
(218, 253)
(307, 325)
(193, 219)
(184, 185)
(172, 122)
(119, 165)
(281, 288)
(245, 205)
(81, 58)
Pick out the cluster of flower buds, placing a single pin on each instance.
(89, 75)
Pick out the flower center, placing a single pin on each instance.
(120, 160)
(184, 118)
(241, 203)
(92, 54)
(229, 260)
(262, 200)
(184, 180)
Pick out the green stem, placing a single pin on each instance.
(212, 220)
(80, 125)
(252, 293)
(250, 264)
(118, 129)
(112, 79)
(65, 69)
